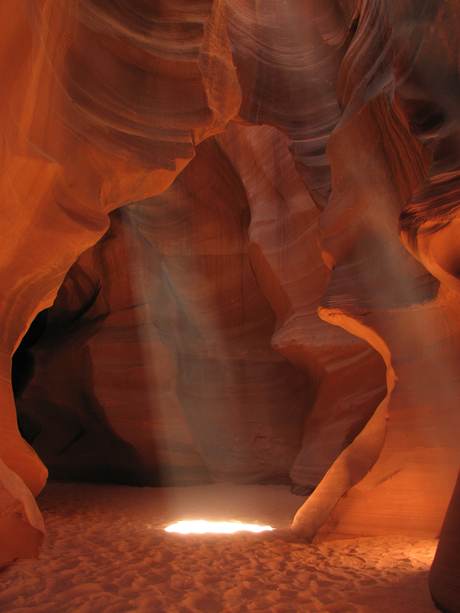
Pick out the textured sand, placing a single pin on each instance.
(106, 551)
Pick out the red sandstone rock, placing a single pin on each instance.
(117, 317)
(289, 269)
(444, 583)
(21, 525)
(389, 307)
(102, 105)
(287, 56)
(96, 112)
(161, 336)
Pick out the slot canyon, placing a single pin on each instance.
(230, 285)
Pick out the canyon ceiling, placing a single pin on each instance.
(229, 252)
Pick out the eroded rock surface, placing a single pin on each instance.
(287, 309)
(169, 334)
(21, 526)
(99, 108)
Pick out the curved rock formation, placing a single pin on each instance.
(428, 90)
(188, 337)
(289, 269)
(169, 336)
(287, 56)
(444, 584)
(380, 293)
(21, 526)
(171, 284)
(78, 141)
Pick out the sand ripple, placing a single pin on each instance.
(106, 551)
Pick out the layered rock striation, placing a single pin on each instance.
(277, 299)
(101, 106)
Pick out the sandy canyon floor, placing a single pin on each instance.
(106, 551)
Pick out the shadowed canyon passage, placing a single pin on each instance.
(230, 228)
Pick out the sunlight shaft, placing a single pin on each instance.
(200, 526)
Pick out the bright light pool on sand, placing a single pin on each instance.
(200, 526)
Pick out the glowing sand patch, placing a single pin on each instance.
(200, 526)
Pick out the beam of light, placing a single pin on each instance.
(200, 526)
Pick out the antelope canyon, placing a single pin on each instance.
(230, 284)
